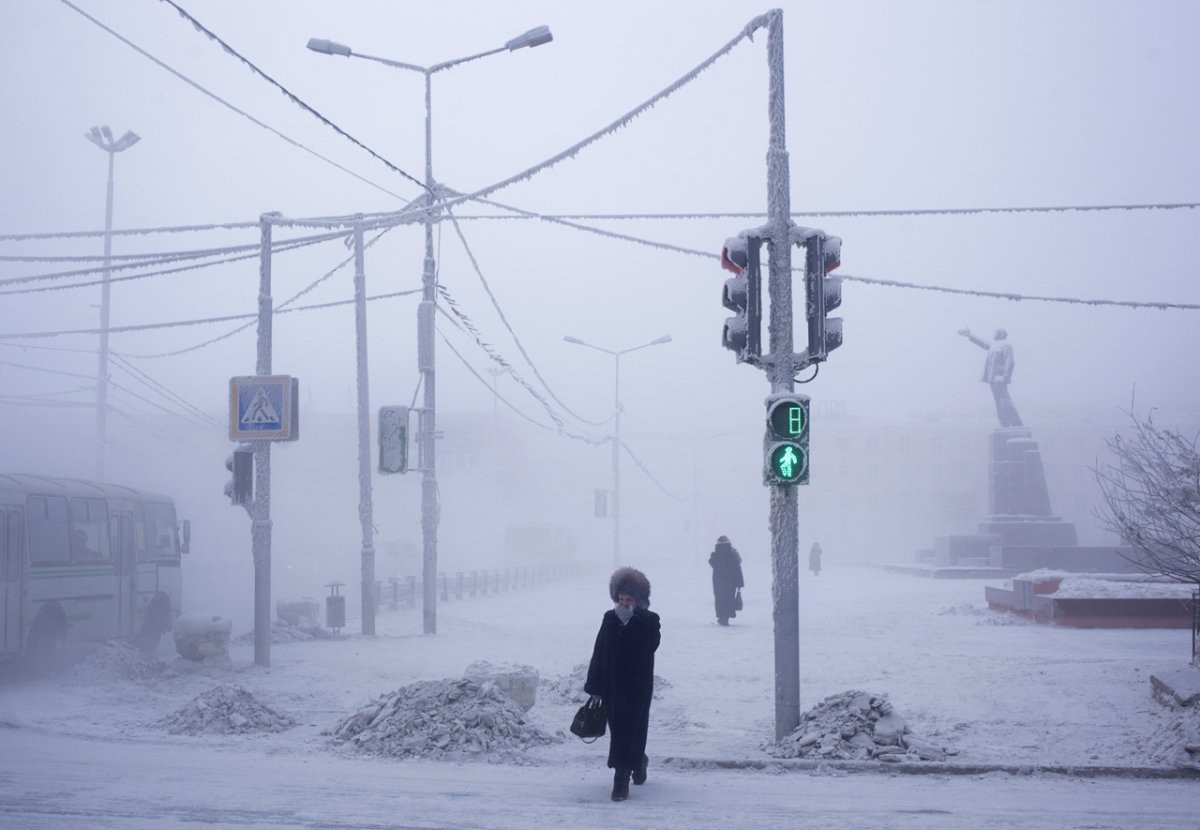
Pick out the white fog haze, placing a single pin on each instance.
(1026, 166)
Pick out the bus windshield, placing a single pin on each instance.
(161, 541)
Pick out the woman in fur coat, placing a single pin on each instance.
(726, 565)
(621, 674)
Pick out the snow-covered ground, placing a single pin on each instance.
(986, 687)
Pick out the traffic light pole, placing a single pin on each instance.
(784, 519)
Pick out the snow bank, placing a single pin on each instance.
(118, 660)
(855, 726)
(226, 710)
(442, 719)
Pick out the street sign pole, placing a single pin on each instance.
(260, 519)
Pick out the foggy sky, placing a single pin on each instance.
(921, 105)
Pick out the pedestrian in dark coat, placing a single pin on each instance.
(726, 565)
(814, 559)
(622, 675)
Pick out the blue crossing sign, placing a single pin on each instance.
(264, 408)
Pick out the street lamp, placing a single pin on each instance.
(102, 137)
(428, 304)
(616, 441)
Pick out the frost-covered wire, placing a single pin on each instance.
(278, 309)
(45, 370)
(252, 316)
(283, 246)
(840, 213)
(557, 428)
(1009, 295)
(464, 323)
(220, 226)
(243, 113)
(287, 93)
(120, 362)
(517, 340)
(649, 474)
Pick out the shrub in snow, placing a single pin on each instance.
(226, 710)
(854, 726)
(442, 719)
(198, 636)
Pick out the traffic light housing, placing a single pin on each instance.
(240, 487)
(785, 446)
(393, 439)
(742, 294)
(822, 255)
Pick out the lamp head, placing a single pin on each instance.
(328, 47)
(534, 37)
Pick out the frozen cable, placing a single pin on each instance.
(649, 475)
(287, 93)
(520, 347)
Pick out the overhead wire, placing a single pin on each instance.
(508, 326)
(295, 99)
(245, 114)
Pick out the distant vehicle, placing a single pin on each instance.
(85, 561)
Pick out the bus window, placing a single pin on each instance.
(89, 530)
(160, 532)
(49, 535)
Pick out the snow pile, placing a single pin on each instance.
(518, 681)
(285, 632)
(118, 660)
(442, 719)
(226, 710)
(854, 726)
(567, 688)
(1177, 742)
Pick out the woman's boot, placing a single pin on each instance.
(639, 774)
(620, 785)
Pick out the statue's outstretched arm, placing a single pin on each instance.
(980, 343)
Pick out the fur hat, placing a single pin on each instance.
(630, 581)
(722, 538)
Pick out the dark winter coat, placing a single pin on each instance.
(814, 558)
(726, 565)
(622, 674)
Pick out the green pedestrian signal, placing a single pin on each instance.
(785, 445)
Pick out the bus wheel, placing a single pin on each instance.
(41, 652)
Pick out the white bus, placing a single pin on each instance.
(85, 561)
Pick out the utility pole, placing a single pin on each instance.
(102, 137)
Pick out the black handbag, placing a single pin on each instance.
(590, 721)
(737, 600)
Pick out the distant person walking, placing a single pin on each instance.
(621, 674)
(814, 559)
(727, 579)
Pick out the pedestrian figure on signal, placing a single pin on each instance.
(727, 579)
(814, 559)
(997, 373)
(621, 674)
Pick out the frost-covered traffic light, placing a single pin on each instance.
(240, 487)
(822, 255)
(742, 294)
(785, 447)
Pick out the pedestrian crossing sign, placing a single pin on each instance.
(263, 408)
